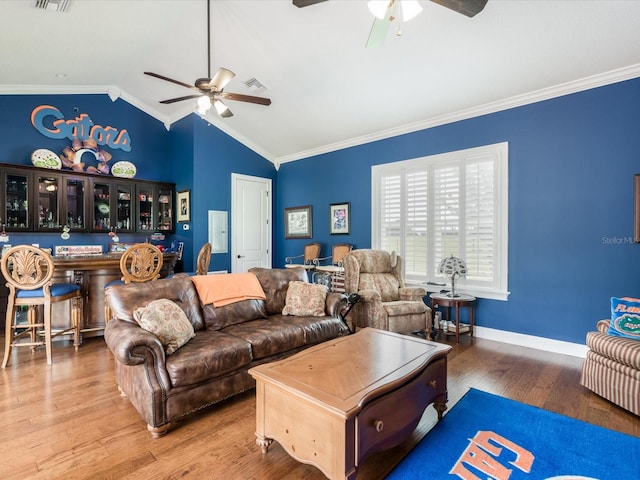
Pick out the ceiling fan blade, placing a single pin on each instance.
(179, 99)
(470, 8)
(220, 80)
(380, 27)
(244, 98)
(167, 79)
(306, 3)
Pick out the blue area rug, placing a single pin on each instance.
(486, 437)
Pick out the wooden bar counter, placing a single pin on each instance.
(92, 273)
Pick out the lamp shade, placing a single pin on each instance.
(453, 267)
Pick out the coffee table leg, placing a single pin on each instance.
(263, 442)
(441, 407)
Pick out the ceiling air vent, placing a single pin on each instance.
(53, 5)
(254, 85)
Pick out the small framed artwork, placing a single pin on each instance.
(184, 206)
(339, 218)
(297, 222)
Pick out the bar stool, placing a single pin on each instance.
(204, 258)
(140, 263)
(29, 271)
(202, 263)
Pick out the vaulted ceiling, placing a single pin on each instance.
(328, 91)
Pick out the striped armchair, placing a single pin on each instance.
(612, 368)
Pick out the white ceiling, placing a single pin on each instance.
(328, 91)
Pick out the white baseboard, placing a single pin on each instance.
(531, 341)
(217, 272)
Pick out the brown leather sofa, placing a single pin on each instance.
(228, 341)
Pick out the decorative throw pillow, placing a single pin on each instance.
(305, 299)
(166, 320)
(625, 317)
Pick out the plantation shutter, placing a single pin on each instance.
(452, 204)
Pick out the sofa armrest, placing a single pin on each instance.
(334, 304)
(132, 345)
(603, 326)
(412, 293)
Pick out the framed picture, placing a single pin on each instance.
(339, 220)
(297, 222)
(184, 206)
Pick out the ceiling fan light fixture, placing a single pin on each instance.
(378, 7)
(204, 103)
(220, 107)
(410, 9)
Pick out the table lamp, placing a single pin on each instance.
(453, 267)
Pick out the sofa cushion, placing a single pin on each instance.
(167, 321)
(275, 282)
(268, 338)
(305, 299)
(316, 329)
(216, 318)
(625, 318)
(125, 298)
(210, 354)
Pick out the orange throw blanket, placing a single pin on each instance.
(223, 289)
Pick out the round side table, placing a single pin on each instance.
(458, 302)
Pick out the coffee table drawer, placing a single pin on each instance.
(390, 419)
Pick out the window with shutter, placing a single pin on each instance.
(450, 204)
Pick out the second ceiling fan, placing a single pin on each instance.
(210, 89)
(387, 11)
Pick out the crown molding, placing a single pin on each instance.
(114, 92)
(53, 89)
(587, 83)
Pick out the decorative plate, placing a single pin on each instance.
(44, 158)
(103, 208)
(123, 169)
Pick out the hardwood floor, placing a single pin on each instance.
(68, 421)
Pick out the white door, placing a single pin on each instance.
(250, 222)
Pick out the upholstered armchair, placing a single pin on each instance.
(385, 302)
(612, 368)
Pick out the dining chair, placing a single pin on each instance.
(311, 252)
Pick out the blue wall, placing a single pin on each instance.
(571, 166)
(216, 156)
(18, 140)
(572, 161)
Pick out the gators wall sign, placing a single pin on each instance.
(50, 122)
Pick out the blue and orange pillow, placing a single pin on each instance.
(625, 317)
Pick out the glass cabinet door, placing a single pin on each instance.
(124, 214)
(101, 219)
(48, 202)
(165, 209)
(16, 200)
(75, 213)
(146, 214)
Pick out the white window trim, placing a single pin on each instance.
(500, 151)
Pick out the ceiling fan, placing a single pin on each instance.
(386, 11)
(210, 89)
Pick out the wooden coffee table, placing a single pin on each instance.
(335, 404)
